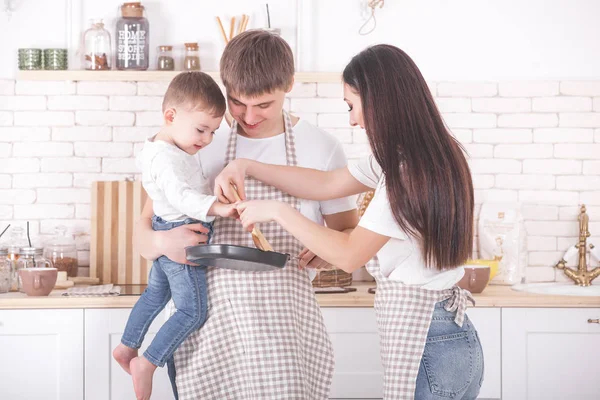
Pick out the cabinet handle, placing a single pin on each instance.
(594, 321)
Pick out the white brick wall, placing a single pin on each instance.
(537, 142)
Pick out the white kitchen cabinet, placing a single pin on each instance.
(104, 378)
(550, 353)
(42, 354)
(487, 321)
(358, 371)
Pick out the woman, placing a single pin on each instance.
(419, 225)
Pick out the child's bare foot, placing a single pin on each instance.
(123, 355)
(142, 372)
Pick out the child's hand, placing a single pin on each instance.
(255, 211)
(224, 210)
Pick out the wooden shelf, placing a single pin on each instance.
(149, 76)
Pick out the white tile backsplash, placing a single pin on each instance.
(537, 142)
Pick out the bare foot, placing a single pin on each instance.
(123, 355)
(142, 372)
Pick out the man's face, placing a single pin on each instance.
(259, 116)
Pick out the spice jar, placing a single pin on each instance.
(16, 242)
(62, 251)
(132, 38)
(5, 271)
(31, 257)
(97, 47)
(191, 59)
(165, 61)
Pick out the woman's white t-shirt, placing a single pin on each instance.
(400, 258)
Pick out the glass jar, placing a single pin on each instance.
(5, 271)
(30, 257)
(97, 47)
(191, 58)
(165, 60)
(133, 46)
(62, 251)
(16, 242)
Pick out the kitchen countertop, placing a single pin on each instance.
(492, 296)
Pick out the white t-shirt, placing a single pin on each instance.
(315, 148)
(173, 180)
(400, 258)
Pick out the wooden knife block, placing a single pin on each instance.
(116, 207)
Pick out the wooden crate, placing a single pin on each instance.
(116, 206)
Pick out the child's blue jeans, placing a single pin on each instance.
(186, 285)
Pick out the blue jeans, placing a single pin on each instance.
(168, 279)
(452, 363)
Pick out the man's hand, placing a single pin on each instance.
(233, 173)
(172, 243)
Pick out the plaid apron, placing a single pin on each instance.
(403, 317)
(264, 337)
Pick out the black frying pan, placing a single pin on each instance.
(239, 258)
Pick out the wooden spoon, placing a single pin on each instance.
(257, 237)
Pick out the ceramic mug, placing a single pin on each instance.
(476, 278)
(38, 281)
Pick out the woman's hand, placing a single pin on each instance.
(234, 172)
(172, 243)
(255, 211)
(308, 259)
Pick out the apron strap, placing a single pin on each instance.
(290, 144)
(458, 302)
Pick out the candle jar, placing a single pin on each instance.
(165, 60)
(55, 59)
(30, 59)
(191, 58)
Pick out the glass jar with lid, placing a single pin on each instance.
(6, 273)
(30, 257)
(191, 58)
(16, 242)
(62, 251)
(132, 41)
(165, 60)
(97, 47)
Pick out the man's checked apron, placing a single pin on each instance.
(264, 337)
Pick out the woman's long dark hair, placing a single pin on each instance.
(427, 177)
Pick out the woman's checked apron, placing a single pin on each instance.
(403, 317)
(264, 337)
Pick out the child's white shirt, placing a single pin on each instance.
(174, 181)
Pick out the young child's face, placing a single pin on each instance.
(258, 115)
(193, 130)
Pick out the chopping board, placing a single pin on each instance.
(115, 209)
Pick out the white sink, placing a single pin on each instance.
(561, 289)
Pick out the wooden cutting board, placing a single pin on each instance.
(116, 206)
